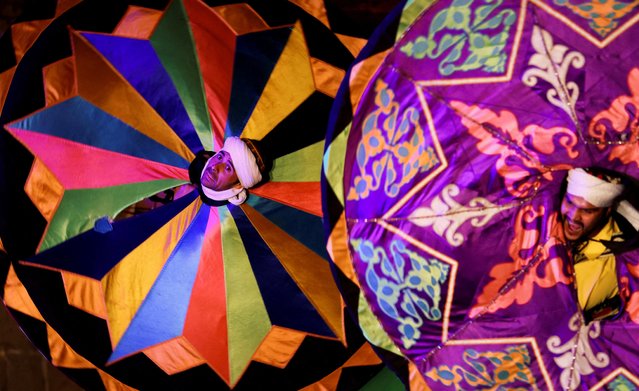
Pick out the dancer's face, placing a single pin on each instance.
(219, 173)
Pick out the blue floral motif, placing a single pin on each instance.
(466, 36)
(408, 287)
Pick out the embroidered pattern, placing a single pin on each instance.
(408, 287)
(495, 370)
(466, 36)
(551, 63)
(519, 150)
(446, 215)
(620, 123)
(583, 361)
(603, 15)
(392, 148)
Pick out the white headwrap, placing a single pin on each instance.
(248, 173)
(597, 191)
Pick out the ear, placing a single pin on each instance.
(237, 185)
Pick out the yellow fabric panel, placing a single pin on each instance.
(174, 356)
(248, 321)
(85, 293)
(95, 76)
(361, 74)
(315, 8)
(241, 18)
(59, 81)
(334, 163)
(353, 44)
(16, 296)
(303, 165)
(289, 85)
(327, 77)
(310, 271)
(44, 189)
(5, 82)
(596, 275)
(138, 22)
(372, 328)
(62, 355)
(279, 347)
(128, 283)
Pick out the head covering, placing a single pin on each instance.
(247, 170)
(598, 192)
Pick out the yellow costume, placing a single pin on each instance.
(595, 269)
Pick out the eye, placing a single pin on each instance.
(219, 156)
(228, 168)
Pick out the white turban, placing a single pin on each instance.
(248, 173)
(598, 192)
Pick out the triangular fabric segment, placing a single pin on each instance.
(206, 321)
(255, 57)
(78, 120)
(93, 254)
(138, 63)
(303, 165)
(248, 320)
(59, 81)
(290, 84)
(305, 196)
(138, 22)
(311, 272)
(16, 296)
(286, 302)
(85, 166)
(122, 101)
(167, 263)
(215, 48)
(80, 209)
(306, 228)
(25, 34)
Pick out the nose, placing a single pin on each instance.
(574, 214)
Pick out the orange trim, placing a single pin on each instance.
(17, 298)
(85, 293)
(327, 77)
(315, 8)
(62, 355)
(241, 18)
(174, 356)
(361, 75)
(138, 22)
(337, 247)
(353, 44)
(279, 347)
(415, 379)
(5, 83)
(44, 189)
(59, 81)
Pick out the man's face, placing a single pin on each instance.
(219, 173)
(581, 219)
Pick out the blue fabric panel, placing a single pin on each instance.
(94, 254)
(162, 315)
(304, 227)
(80, 121)
(286, 304)
(138, 63)
(255, 57)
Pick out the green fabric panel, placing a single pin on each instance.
(79, 209)
(304, 165)
(248, 321)
(385, 380)
(173, 43)
(334, 163)
(372, 328)
(412, 10)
